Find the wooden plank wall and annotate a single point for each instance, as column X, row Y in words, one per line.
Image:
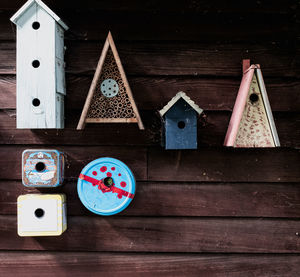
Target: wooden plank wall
column 209, row 212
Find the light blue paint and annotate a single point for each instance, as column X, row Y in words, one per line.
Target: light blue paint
column 106, row 203
column 39, row 178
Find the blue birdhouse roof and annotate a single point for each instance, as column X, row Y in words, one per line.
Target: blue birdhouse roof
column 180, row 95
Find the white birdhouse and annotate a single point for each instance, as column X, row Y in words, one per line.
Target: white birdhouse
column 40, row 67
column 41, row 215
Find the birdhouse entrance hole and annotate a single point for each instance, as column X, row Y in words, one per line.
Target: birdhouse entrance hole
column 181, row 124
column 35, row 63
column 36, row 25
column 36, row 102
column 40, row 166
column 39, row 213
column 108, row 181
column 253, row 97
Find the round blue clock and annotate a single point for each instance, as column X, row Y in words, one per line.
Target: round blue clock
column 106, row 186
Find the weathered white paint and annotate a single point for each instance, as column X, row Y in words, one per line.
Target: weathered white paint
column 267, row 107
column 51, row 220
column 46, row 82
column 178, row 96
column 28, row 4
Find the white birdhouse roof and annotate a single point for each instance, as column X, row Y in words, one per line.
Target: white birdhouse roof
column 28, row 4
column 187, row 99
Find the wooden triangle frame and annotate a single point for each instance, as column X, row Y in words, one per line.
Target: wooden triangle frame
column 109, row 43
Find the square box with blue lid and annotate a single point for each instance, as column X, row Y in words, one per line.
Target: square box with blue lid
column 42, row 168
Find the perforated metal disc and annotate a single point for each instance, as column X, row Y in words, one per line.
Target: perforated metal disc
column 109, row 88
column 95, row 193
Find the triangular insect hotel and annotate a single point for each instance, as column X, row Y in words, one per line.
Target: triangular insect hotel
column 252, row 123
column 109, row 99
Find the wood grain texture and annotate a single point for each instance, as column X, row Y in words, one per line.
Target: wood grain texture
column 172, row 25
column 141, row 234
column 211, row 131
column 224, row 164
column 182, row 58
column 76, row 158
column 169, row 6
column 209, row 93
column 94, row 134
column 182, row 199
column 73, row 264
column 204, row 204
column 204, row 164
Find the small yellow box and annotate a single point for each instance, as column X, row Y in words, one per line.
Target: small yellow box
column 41, row 215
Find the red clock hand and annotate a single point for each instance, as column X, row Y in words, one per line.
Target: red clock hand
column 121, row 192
column 113, row 189
column 95, row 182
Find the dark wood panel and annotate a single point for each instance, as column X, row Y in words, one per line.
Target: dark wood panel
column 154, row 92
column 137, row 234
column 225, row 164
column 109, row 264
column 156, row 6
column 183, row 26
column 204, row 164
column 93, row 134
column 195, row 201
column 76, row 159
column 182, row 199
column 166, row 58
column 181, row 22
column 211, row 130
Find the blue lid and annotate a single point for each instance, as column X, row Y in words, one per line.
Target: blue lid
column 106, row 186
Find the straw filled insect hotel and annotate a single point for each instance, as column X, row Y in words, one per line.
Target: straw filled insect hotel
column 110, row 98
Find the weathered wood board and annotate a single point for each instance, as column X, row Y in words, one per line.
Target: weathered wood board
column 174, row 199
column 213, row 94
column 224, row 212
column 76, row 158
column 114, row 264
column 166, row 58
column 148, row 234
column 224, row 165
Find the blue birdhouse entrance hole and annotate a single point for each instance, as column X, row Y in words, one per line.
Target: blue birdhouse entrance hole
column 180, row 123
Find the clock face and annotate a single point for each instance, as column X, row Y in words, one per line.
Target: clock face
column 109, row 88
column 106, row 186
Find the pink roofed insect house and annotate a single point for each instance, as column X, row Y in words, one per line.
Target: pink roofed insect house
column 252, row 123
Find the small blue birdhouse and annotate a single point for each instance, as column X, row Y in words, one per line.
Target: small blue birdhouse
column 180, row 122
column 42, row 168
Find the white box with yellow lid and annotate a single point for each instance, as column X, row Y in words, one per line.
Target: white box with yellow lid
column 41, row 215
